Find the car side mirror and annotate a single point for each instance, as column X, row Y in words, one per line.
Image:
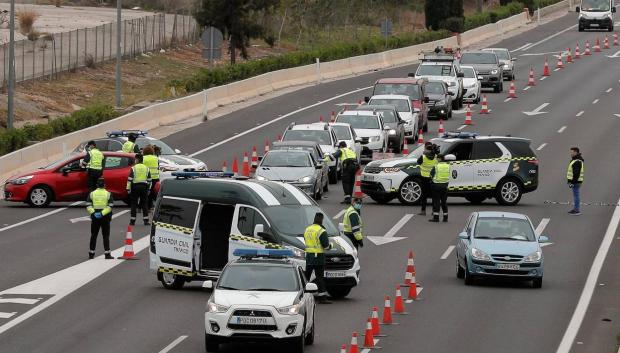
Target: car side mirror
column 513, row 59
column 480, row 78
column 65, row 170
column 341, row 227
column 500, row 65
column 613, row 9
column 460, row 74
column 577, row 9
column 449, row 157
column 207, row 284
column 450, row 93
column 358, row 140
column 411, row 74
column 366, row 99
column 259, row 228
column 543, row 239
column 311, row 288
column 426, row 100
column 463, row 235
column 177, row 151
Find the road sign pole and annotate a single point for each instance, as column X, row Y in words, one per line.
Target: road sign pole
column 118, row 54
column 11, row 93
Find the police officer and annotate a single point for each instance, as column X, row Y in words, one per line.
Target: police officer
column 151, row 161
column 99, row 206
column 130, row 146
column 348, row 160
column 352, row 221
column 440, row 175
column 426, row 162
column 138, row 186
column 94, row 162
column 317, row 242
column 574, row 177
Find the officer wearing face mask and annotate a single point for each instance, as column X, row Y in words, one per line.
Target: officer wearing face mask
column 352, row 221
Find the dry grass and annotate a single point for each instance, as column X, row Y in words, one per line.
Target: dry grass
column 58, row 3
column 27, row 19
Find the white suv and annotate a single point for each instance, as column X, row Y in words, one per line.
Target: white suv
column 443, row 68
column 368, row 126
column 405, row 110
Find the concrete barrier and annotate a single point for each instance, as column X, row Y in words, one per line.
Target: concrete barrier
column 562, row 5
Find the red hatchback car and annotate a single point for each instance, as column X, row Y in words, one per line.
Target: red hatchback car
column 65, row 180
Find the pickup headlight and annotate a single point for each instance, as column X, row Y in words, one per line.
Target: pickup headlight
column 21, row 181
column 305, row 179
column 391, row 170
column 374, row 138
column 216, row 308
column 494, row 72
column 290, row 310
column 258, row 177
column 392, row 132
column 480, row 255
column 533, row 257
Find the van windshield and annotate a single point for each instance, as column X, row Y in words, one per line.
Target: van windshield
column 292, row 220
column 595, row 5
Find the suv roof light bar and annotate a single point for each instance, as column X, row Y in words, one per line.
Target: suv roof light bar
column 125, row 133
column 195, row 175
column 460, row 135
column 266, row 253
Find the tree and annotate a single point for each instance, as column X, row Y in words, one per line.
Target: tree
column 444, row 14
column 237, row 20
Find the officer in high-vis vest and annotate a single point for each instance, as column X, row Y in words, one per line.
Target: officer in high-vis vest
column 99, row 206
column 426, row 162
column 348, row 160
column 440, row 175
column 130, row 146
column 352, row 222
column 94, row 162
column 138, row 186
column 574, row 177
column 151, row 161
column 317, row 242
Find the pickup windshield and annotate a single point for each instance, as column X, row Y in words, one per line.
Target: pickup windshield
column 406, row 89
column 595, row 5
column 435, row 70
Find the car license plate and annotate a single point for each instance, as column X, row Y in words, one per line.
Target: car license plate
column 335, row 274
column 507, row 266
column 368, row 177
column 593, row 24
column 249, row 320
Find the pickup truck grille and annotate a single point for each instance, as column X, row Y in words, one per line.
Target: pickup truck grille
column 372, row 170
column 339, row 262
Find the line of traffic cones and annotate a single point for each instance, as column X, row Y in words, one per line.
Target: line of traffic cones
column 409, row 270
column 587, row 51
column 577, row 52
column 254, row 158
column 560, row 63
column 606, row 42
column 376, row 327
column 357, row 189
column 441, row 131
column 512, row 91
column 546, row 71
column 235, row 167
column 420, row 137
column 531, row 81
column 468, row 120
column 405, row 150
column 597, row 46
column 569, row 56
column 246, row 165
column 616, row 39
column 266, row 146
column 484, row 107
column 399, row 305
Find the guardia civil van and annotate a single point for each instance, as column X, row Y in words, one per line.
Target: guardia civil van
column 201, row 218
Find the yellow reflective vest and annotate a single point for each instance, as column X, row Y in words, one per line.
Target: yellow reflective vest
column 347, row 153
column 128, row 147
column 312, row 238
column 427, row 165
column 152, row 162
column 140, row 175
column 99, row 200
column 96, row 159
column 355, row 230
column 442, row 173
column 569, row 172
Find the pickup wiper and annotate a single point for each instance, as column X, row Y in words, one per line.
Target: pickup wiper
column 264, row 289
column 483, row 237
column 229, row 288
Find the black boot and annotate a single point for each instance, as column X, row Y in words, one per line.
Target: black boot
column 422, row 213
column 434, row 219
column 445, row 217
column 132, row 222
column 91, row 255
column 108, row 256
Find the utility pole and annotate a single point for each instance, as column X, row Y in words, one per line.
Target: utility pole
column 11, row 95
column 118, row 54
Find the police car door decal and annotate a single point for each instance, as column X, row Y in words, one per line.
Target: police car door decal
column 175, row 225
column 491, row 164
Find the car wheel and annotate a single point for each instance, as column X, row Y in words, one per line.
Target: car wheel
column 476, row 199
column 299, row 343
column 449, row 115
column 460, row 272
column 338, row 292
column 469, row 279
column 309, row 340
column 508, row 192
column 514, row 77
column 40, row 196
column 333, row 175
column 211, row 344
column 461, row 102
column 381, row 199
column 170, row 280
column 611, row 28
column 537, row 282
column 496, row 89
column 580, row 29
column 410, row 192
column 425, row 127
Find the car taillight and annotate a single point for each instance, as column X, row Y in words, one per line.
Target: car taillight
column 533, row 161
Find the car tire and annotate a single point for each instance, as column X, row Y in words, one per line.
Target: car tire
column 338, row 292
column 469, row 279
column 476, row 199
column 455, row 104
column 211, row 345
column 580, row 29
column 410, row 192
column 611, row 28
column 299, row 343
column 537, row 282
column 40, row 196
column 449, row 115
column 333, row 176
column 460, row 272
column 382, row 199
column 171, row 281
column 309, row 340
column 508, row 192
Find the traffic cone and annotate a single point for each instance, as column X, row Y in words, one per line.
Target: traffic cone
column 369, row 339
column 376, row 328
column 606, row 42
column 468, row 115
column 246, row 165
column 343, row 348
column 333, row 118
column 597, row 46
column 224, row 168
column 560, row 64
column 387, row 312
column 357, row 189
column 409, row 270
column 399, row 306
column 413, row 288
column 279, row 138
column 485, row 105
column 512, row 91
column 420, row 137
column 615, row 39
column 577, row 53
column 353, row 348
column 321, row 120
column 569, row 56
column 546, row 71
column 254, row 158
column 266, row 146
column 531, row 81
column 128, row 254
column 405, row 148
column 587, row 51
column 441, row 131
column 360, row 102
column 235, row 167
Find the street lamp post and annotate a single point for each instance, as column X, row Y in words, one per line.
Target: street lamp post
column 11, row 95
column 118, row 54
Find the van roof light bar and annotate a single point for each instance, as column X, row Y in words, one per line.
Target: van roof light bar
column 460, row 135
column 125, row 133
column 265, row 253
column 195, row 175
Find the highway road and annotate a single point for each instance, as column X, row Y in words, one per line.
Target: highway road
column 53, row 300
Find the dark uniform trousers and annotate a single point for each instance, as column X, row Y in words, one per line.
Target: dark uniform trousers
column 102, row 223
column 140, row 197
column 425, row 184
column 440, row 197
column 319, row 273
column 152, row 193
column 349, row 167
column 351, row 237
column 92, row 175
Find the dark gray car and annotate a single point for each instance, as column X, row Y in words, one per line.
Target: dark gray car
column 315, row 152
column 391, row 119
column 439, row 100
column 488, row 66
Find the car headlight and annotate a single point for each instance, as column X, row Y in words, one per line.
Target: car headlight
column 441, row 102
column 305, row 179
column 494, row 72
column 391, row 169
column 374, row 138
column 258, row 177
column 216, row 308
column 506, row 66
column 202, row 166
column 533, row 257
column 392, row 132
column 290, row 310
column 452, row 84
column 298, row 253
column 21, row 181
column 480, row 255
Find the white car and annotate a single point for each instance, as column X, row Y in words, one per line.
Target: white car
column 368, row 125
column 261, row 296
column 442, row 67
column 344, row 132
column 405, row 110
column 471, row 84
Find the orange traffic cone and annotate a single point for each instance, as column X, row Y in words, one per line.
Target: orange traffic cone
column 360, row 102
column 531, row 81
column 333, row 118
column 353, row 348
column 569, row 56
column 387, row 312
column 321, row 119
column 441, row 131
column 413, row 288
column 376, row 328
column 560, row 63
column 399, row 306
column 409, row 270
column 485, row 105
column 235, row 167
column 128, row 254
column 468, row 115
column 577, row 52
column 246, row 165
column 405, row 148
column 512, row 92
column 606, row 42
column 254, row 158
column 279, row 138
column 369, row 339
column 420, row 137
column 597, row 46
column 587, row 51
column 224, row 168
column 266, row 146
column 343, row 348
column 357, row 189
column 546, row 71
column 615, row 39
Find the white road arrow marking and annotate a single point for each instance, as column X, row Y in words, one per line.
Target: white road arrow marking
column 87, row 218
column 537, row 111
column 616, row 55
column 447, row 252
column 618, row 115
column 4, row 315
column 389, row 236
column 18, row 301
column 552, row 53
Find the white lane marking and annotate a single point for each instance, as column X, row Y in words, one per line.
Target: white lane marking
column 38, row 217
column 87, row 218
column 609, row 89
column 543, row 78
column 588, row 289
column 339, row 214
column 580, row 113
column 541, row 147
column 522, row 47
column 542, row 225
column 595, row 101
column 526, row 88
column 447, row 252
column 64, row 282
column 173, row 344
column 276, row 120
column 18, row 301
column 557, row 69
column 461, row 127
column 618, row 115
column 550, row 37
column 537, row 111
column 389, row 236
column 4, row 315
column 507, row 99
column 562, row 129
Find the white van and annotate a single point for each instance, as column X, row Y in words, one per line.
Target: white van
column 596, row 14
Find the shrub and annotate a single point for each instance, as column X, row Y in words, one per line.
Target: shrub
column 26, row 20
column 482, row 18
column 452, row 24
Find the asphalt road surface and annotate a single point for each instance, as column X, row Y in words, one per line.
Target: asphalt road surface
column 53, row 300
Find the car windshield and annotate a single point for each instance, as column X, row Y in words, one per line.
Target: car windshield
column 360, row 121
column 434, row 70
column 165, row 149
column 260, row 277
column 292, row 220
column 468, row 72
column 435, row 88
column 501, row 54
column 389, row 116
column 479, row 58
column 342, row 132
column 443, row 146
column 405, row 89
column 59, row 163
column 310, row 149
column 321, row 137
column 595, row 5
column 401, row 105
column 286, row 159
column 504, row 228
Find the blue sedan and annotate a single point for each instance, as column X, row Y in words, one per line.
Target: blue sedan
column 500, row 244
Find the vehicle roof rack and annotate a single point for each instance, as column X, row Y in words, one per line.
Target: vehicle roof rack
column 125, row 133
column 205, row 175
column 460, row 135
column 434, row 56
column 264, row 253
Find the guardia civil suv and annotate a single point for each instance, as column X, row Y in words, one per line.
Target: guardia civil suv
column 486, row 166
